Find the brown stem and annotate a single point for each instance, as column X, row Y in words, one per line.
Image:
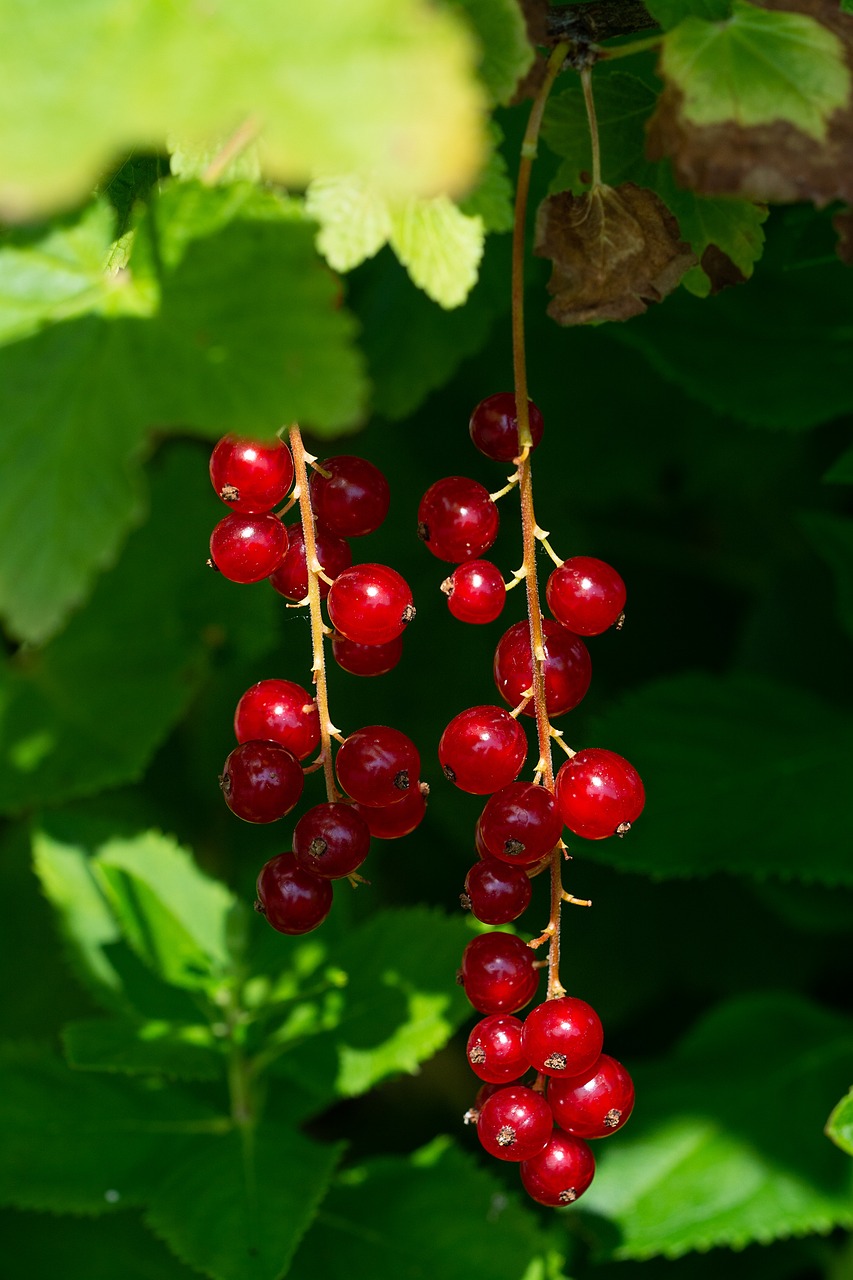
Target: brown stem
column 592, row 121
column 598, row 20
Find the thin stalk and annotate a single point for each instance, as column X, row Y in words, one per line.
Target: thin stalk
column 589, row 101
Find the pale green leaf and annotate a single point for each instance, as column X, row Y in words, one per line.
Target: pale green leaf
column 189, row 161
column 506, row 53
column 439, row 246
column 354, row 219
column 839, row 1126
column 180, row 1052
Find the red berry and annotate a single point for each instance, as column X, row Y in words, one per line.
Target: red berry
column 291, row 577
column 560, row 1173
column 599, row 794
column 496, row 893
column 479, row 844
column 366, row 659
column 248, row 548
column 494, row 1049
column 498, row 973
column 292, row 899
column 494, row 426
column 331, row 840
column 515, row 1124
column 251, row 476
column 482, row 749
column 377, row 765
column 261, row 781
column 457, row 520
column 596, row 1103
column 563, row 1037
column 585, row 595
column 371, row 604
column 279, row 711
column 568, row 669
column 476, row 591
column 353, row 499
column 392, row 821
column 521, row 823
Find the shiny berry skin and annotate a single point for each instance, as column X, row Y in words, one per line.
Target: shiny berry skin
column 521, row 823
column 498, row 973
column 390, row 822
column 292, row 899
column 353, row 499
column 377, row 765
column 599, row 794
column 371, row 604
column 585, row 595
column 515, row 1123
column 331, row 840
column 291, row 577
column 366, row 659
column 248, row 548
column 496, row 893
column 568, row 669
column 596, row 1103
column 457, row 520
column 482, row 749
column 494, row 1049
column 476, row 591
column 279, row 711
column 261, row 781
column 479, row 844
column 563, row 1037
column 251, row 476
column 561, row 1173
column 494, row 426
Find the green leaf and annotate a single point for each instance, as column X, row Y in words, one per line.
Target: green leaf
column 732, row 226
column 669, row 13
column 401, row 103
column 439, row 246
column 832, row 539
column 757, row 67
column 718, row 756
column 507, row 54
column 236, row 1210
column 354, row 218
column 493, row 195
column 180, row 1052
column 425, row 1215
column 87, row 1248
column 841, row 471
column 839, row 1126
column 706, row 1160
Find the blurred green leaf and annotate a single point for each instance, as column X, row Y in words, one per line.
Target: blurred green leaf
column 670, row 12
column 841, row 471
column 506, row 53
column 180, row 1052
column 832, row 538
column 839, row 1126
column 87, row 1248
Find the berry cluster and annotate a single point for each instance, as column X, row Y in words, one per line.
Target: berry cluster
column 277, row 723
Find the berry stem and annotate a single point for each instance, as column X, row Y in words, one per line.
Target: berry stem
column 592, row 118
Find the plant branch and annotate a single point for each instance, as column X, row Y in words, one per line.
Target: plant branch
column 598, row 20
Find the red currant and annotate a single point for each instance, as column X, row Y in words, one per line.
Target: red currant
column 251, row 476
column 392, row 821
column 585, row 595
column 494, row 1049
column 599, row 794
column 371, row 604
column 366, row 659
column 494, row 426
column 331, row 840
column 352, row 499
column 567, row 667
column 476, row 591
column 279, row 711
column 482, row 749
column 292, row 899
column 563, row 1037
column 521, row 823
column 377, row 765
column 594, row 1104
column 560, row 1173
column 498, row 973
column 291, row 577
column 515, row 1124
column 248, row 548
column 479, row 843
column 457, row 520
column 261, row 781
column 496, row 893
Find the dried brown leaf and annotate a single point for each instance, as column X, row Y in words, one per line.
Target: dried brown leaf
column 614, row 250
column 720, row 270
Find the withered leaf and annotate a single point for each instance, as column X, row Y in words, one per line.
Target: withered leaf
column 614, row 250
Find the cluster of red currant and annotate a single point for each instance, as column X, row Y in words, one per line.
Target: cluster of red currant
column 277, row 723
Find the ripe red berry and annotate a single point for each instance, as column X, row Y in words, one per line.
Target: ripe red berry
column 353, row 499
column 457, row 520
column 279, row 711
column 292, row 899
column 261, row 781
column 498, row 973
column 596, row 1103
column 496, row 893
column 567, row 666
column 515, row 1124
column 494, row 1049
column 366, row 659
column 331, row 840
column 248, row 548
column 599, row 794
column 561, row 1173
column 291, row 577
column 563, row 1037
column 251, row 476
column 371, row 604
column 521, row 823
column 392, row 821
column 494, row 426
column 482, row 749
column 479, row 844
column 585, row 595
column 377, row 765
column 476, row 591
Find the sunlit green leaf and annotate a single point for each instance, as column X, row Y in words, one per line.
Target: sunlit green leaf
column 155, row 1048
column 839, row 1126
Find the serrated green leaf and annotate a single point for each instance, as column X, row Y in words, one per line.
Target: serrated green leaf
column 670, row 12
column 832, row 539
column 733, row 226
column 190, row 161
column 402, row 103
column 757, row 67
column 706, row 1160
column 354, row 218
column 186, row 1052
column 439, row 246
column 237, row 1209
column 839, row 1126
column 87, row 1248
column 492, row 198
column 506, row 53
